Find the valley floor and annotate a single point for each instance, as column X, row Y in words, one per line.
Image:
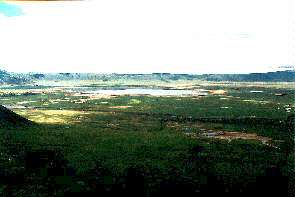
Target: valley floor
column 224, row 137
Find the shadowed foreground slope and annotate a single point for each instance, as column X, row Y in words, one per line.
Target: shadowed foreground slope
column 10, row 119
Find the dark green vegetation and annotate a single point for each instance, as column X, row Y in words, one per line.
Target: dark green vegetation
column 140, row 144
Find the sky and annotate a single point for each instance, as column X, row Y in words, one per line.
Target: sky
column 146, row 36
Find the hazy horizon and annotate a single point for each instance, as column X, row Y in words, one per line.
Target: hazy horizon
column 37, row 72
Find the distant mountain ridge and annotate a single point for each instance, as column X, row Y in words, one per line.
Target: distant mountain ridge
column 19, row 78
column 278, row 76
column 12, row 78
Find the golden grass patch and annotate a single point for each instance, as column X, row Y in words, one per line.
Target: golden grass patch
column 52, row 116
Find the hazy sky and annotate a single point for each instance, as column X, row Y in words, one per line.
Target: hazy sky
column 136, row 36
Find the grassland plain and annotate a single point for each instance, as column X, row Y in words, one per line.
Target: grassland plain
column 111, row 144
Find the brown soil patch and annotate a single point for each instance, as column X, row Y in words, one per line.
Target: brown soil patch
column 227, row 135
column 239, row 135
column 217, row 92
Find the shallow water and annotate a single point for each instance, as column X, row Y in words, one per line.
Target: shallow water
column 114, row 90
column 152, row 92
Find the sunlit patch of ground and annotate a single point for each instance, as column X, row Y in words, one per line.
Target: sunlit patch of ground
column 256, row 101
column 134, row 101
column 53, row 116
column 189, row 127
column 230, row 135
column 58, row 100
column 80, row 101
column 225, row 107
column 120, row 107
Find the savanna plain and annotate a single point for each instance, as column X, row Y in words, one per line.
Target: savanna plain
column 146, row 138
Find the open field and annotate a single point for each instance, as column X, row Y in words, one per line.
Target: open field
column 228, row 136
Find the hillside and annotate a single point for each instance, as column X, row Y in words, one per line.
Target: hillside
column 10, row 119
